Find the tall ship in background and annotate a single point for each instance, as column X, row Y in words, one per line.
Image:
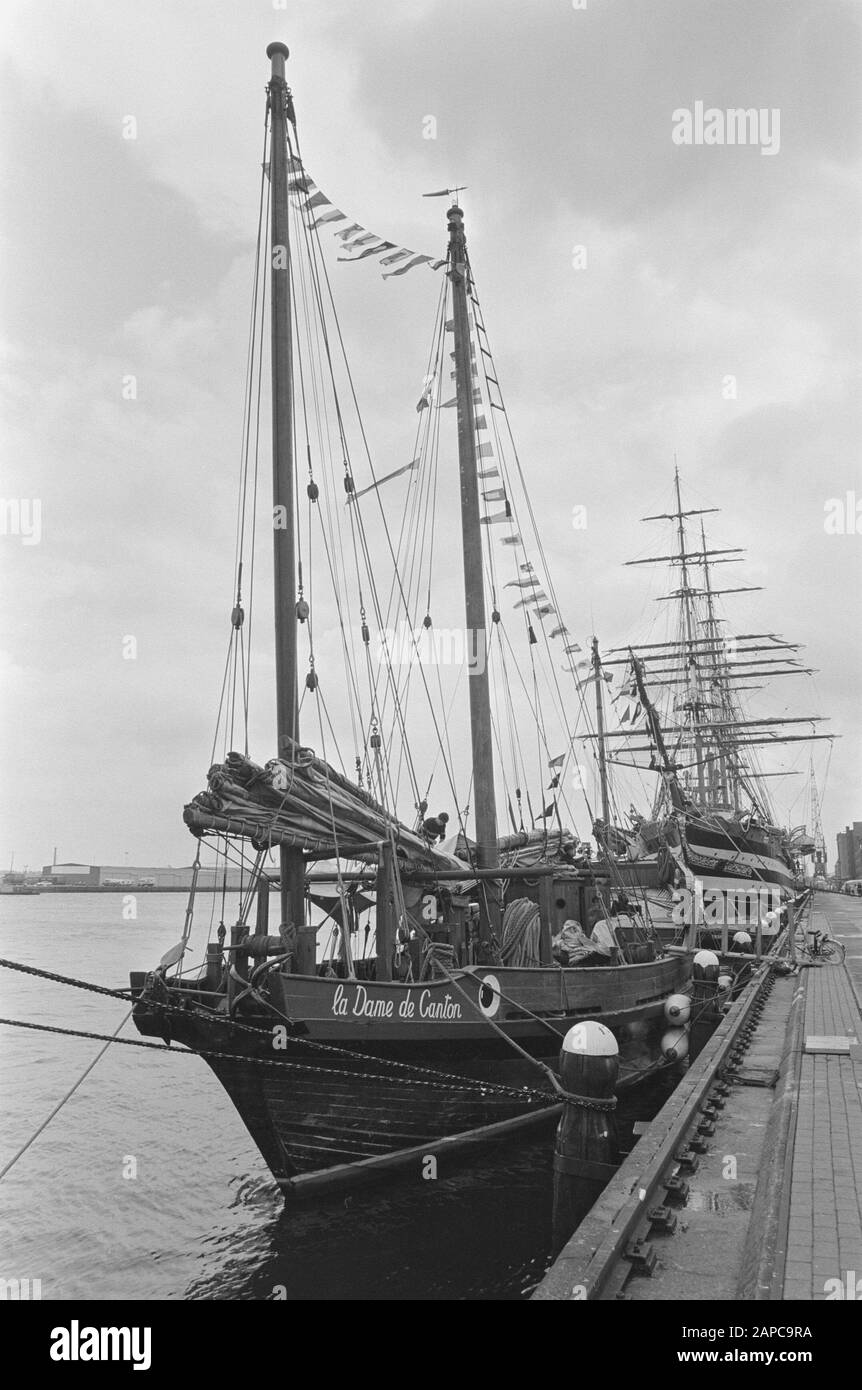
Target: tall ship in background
column 683, row 713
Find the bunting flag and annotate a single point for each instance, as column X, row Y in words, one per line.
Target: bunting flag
column 497, row 494
column 573, row 647
column 559, row 631
column 397, row 473
column 485, row 451
column 545, row 609
column 558, row 761
column 447, row 405
column 527, row 566
column 489, row 473
column 424, row 400
column 522, row 584
column 512, row 540
column 449, row 326
column 303, row 188
column 531, row 598
column 492, row 520
column 480, row 422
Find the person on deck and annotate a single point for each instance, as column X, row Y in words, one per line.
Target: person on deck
column 434, row 828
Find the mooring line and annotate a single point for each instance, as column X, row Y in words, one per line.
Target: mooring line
column 59, row 1106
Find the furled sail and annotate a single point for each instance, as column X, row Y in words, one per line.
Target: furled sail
column 303, row 803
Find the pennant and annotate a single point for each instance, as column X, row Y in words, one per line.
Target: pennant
column 369, row 251
column 607, row 676
column 558, row 631
column 558, row 761
column 318, row 200
column 447, row 405
column 545, row 609
column 363, row 241
column 403, row 269
column 334, row 216
column 489, row 473
column 512, row 540
column 532, row 598
column 492, row 520
column 397, row 256
column 441, row 193
column 527, row 565
column 497, row 494
column 397, row 473
column 348, row 231
column 525, row 584
column 575, row 647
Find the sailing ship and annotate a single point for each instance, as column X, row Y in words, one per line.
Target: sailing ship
column 446, row 1017
column 712, row 830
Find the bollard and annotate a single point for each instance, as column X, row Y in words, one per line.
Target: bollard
column 586, row 1149
column 742, row 943
column 704, row 982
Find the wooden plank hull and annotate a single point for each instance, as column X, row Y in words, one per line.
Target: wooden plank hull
column 363, row 1069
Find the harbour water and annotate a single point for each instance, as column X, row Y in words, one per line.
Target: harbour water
column 146, row 1184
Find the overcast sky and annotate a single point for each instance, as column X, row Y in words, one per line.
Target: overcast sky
column 134, row 256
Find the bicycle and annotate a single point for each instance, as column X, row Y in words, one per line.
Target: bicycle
column 815, row 947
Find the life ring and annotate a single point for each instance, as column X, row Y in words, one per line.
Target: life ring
column 489, row 995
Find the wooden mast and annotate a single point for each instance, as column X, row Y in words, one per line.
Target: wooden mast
column 292, row 865
column 600, row 730
column 487, row 854
column 694, row 704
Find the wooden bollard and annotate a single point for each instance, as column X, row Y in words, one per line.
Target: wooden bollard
column 586, row 1150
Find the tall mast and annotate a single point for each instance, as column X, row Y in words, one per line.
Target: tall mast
column 691, row 687
column 487, row 855
column 600, row 729
column 292, row 867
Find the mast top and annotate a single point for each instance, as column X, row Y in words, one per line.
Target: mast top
column 278, row 52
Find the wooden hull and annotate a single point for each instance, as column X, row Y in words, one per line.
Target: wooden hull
column 343, row 1071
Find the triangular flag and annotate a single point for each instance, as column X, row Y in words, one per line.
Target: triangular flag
column 558, row 761
column 403, row 269
column 334, row 216
column 558, row 631
column 319, row 200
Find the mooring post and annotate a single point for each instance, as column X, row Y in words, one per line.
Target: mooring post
column 704, row 985
column 586, row 1150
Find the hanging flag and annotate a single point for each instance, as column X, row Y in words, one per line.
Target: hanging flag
column 402, row 269
column 317, row 200
column 369, row 250
column 424, row 400
column 512, row 540
column 449, row 326
column 522, row 583
column 485, row 451
column 489, row 473
column 447, row 405
column 559, row 631
column 558, row 761
column 607, row 676
column 545, row 609
column 397, row 473
column 396, row 256
column 492, row 520
column 334, row 216
column 527, row 565
column 531, row 598
column 480, row 422
column 497, row 494
column 573, row 647
column 349, row 231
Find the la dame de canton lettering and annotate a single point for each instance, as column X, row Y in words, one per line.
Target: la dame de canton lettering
column 417, row 1004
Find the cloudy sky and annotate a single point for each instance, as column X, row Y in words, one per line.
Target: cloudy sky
column 134, row 257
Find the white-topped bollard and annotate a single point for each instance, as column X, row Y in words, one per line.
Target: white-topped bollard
column 742, row 943
column 586, row 1151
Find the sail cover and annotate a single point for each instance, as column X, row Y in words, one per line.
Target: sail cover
column 303, row 802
